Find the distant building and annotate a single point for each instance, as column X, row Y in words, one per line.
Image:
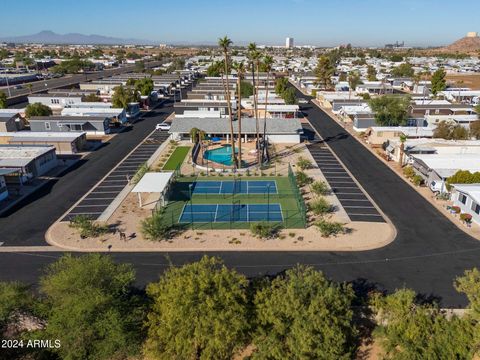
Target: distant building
column 472, row 34
column 289, row 42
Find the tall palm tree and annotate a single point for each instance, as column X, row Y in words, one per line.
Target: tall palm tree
column 403, row 139
column 240, row 68
column 225, row 43
column 253, row 56
column 268, row 62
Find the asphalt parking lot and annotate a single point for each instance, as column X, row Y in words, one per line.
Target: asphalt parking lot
column 357, row 206
column 103, row 193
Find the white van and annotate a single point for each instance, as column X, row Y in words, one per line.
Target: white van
column 438, row 186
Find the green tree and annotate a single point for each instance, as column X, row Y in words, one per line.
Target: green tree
column 37, row 109
column 91, row 308
column 353, row 81
column 92, row 98
column 289, row 96
column 463, row 177
column 281, row 84
column 324, row 72
column 302, row 315
column 246, row 89
column 215, row 69
column 438, row 81
column 409, row 330
column 199, row 311
column 122, row 96
column 371, row 73
column 450, row 131
column 390, row 110
column 403, row 70
column 144, row 86
column 3, row 100
column 15, row 298
column 475, row 129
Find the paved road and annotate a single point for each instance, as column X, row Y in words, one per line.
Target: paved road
column 428, row 253
column 68, row 80
column 26, row 224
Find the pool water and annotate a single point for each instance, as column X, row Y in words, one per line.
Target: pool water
column 221, row 155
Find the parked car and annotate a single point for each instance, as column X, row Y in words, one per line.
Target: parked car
column 162, row 126
column 438, row 186
column 302, row 101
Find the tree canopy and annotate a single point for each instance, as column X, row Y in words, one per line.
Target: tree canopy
column 3, row 100
column 438, row 81
column 144, row 86
column 411, row 330
column 289, row 96
column 198, row 312
column 450, row 131
column 37, row 109
column 324, row 72
column 73, row 66
column 390, row 110
column 475, row 129
column 91, row 308
column 302, row 315
column 122, row 96
column 403, row 70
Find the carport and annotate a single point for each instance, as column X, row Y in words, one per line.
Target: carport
column 154, row 183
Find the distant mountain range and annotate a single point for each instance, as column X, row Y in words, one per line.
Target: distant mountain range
column 49, row 37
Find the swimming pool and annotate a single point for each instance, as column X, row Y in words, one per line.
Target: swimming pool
column 221, row 155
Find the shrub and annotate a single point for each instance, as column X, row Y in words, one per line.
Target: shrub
column 408, row 172
column 417, row 180
column 153, row 228
column 303, row 179
column 303, row 163
column 320, row 206
column 87, row 227
column 328, row 228
column 142, row 170
column 320, row 188
column 263, row 230
column 466, row 217
column 456, row 209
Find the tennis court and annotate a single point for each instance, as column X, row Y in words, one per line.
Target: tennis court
column 235, row 187
column 209, row 213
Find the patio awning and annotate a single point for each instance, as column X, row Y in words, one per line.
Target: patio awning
column 153, row 182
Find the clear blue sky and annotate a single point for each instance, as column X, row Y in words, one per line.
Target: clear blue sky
column 317, row 22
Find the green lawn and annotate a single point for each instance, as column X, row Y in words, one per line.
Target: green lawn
column 177, row 157
column 285, row 197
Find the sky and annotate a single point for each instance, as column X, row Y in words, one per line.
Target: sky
column 312, row 22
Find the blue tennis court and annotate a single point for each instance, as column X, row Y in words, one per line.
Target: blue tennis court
column 235, row 187
column 204, row 213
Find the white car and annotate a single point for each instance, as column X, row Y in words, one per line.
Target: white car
column 162, row 126
column 302, row 101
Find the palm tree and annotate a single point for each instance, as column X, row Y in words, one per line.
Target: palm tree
column 268, row 62
column 225, row 43
column 240, row 68
column 253, row 56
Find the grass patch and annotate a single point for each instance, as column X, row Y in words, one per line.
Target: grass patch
column 176, row 158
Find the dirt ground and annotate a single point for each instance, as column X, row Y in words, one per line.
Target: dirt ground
column 471, row 80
